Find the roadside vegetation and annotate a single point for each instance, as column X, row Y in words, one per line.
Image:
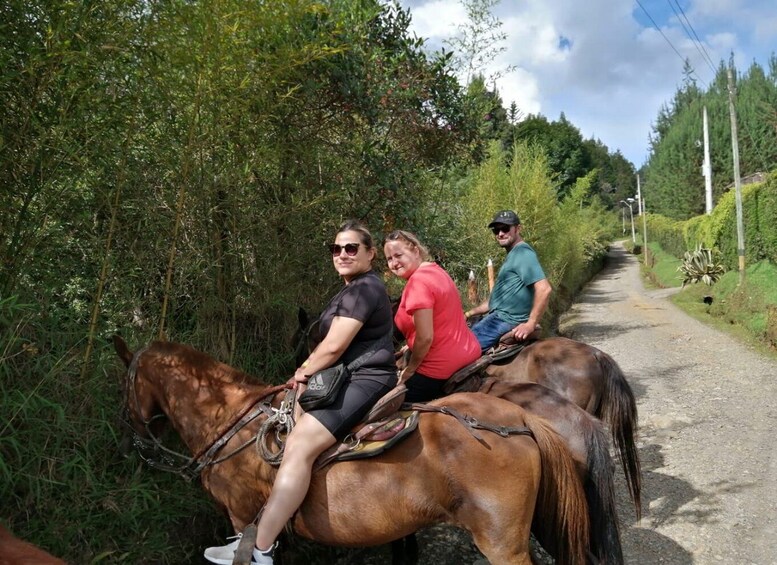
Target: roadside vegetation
column 174, row 170
column 746, row 308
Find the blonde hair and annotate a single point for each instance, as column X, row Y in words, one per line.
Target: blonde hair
column 410, row 239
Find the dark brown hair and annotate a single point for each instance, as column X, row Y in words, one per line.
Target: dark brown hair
column 365, row 237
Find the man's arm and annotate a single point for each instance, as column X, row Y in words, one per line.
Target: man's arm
column 542, row 290
column 481, row 308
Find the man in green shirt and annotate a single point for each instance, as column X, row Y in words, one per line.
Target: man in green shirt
column 521, row 292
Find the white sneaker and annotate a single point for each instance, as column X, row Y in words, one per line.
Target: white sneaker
column 225, row 554
column 263, row 557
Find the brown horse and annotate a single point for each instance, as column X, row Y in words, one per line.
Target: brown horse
column 494, row 487
column 580, row 373
column 591, row 379
column 14, row 551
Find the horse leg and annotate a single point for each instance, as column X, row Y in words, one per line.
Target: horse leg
column 404, row 551
column 500, row 522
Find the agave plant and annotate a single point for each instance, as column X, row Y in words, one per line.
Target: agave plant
column 700, row 265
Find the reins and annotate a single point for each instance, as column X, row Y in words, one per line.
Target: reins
column 190, row 467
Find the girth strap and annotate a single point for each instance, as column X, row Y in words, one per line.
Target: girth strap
column 471, row 424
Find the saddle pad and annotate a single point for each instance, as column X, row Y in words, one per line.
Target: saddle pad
column 346, row 450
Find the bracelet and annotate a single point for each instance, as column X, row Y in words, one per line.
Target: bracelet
column 305, row 363
column 467, row 315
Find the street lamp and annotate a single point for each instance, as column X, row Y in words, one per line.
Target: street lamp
column 628, row 202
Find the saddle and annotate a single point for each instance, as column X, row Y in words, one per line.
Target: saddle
column 382, row 427
column 469, row 379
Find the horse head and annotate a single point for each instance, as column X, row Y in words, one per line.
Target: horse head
column 306, row 337
column 141, row 410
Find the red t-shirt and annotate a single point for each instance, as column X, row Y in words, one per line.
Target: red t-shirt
column 454, row 345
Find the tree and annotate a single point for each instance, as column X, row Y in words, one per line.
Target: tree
column 479, row 41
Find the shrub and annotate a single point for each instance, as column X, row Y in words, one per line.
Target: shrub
column 700, row 265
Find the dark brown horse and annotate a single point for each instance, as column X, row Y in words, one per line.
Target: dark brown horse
column 587, row 442
column 494, row 487
column 591, row 379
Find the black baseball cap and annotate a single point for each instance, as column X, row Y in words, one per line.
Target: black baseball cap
column 505, row 217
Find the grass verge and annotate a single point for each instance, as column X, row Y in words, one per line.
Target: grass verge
column 746, row 311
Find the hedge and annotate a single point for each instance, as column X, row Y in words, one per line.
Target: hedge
column 718, row 230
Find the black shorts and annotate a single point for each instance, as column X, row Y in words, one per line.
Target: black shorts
column 421, row 388
column 355, row 399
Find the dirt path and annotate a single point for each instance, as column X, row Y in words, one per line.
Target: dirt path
column 707, row 410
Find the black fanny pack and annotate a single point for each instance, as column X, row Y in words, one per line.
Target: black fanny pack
column 324, row 385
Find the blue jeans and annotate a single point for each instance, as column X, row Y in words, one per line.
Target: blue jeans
column 489, row 330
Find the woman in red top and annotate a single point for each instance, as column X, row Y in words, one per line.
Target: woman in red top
column 431, row 318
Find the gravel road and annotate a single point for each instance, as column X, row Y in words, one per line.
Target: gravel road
column 706, row 404
column 707, row 407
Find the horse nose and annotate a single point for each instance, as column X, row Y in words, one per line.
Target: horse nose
column 125, row 445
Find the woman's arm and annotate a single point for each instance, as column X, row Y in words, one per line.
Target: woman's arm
column 424, row 334
column 340, row 335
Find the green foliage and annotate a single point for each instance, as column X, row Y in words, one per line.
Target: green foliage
column 667, row 232
column 663, row 268
column 718, row 230
column 673, row 182
column 699, row 265
column 478, row 40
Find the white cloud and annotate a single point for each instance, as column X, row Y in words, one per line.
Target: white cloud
column 438, row 19
column 602, row 62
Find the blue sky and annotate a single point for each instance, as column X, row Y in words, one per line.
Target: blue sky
column 603, row 62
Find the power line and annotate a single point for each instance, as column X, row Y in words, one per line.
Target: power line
column 655, row 25
column 698, row 42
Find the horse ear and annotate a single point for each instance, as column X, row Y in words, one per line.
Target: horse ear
column 302, row 317
column 121, row 348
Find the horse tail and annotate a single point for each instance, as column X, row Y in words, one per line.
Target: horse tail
column 618, row 410
column 600, row 493
column 560, row 522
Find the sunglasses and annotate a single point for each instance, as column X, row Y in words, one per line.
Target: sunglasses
column 496, row 230
column 351, row 249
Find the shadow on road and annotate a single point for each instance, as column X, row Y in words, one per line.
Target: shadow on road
column 662, row 497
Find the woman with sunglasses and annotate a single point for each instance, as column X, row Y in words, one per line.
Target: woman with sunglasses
column 430, row 317
column 521, row 292
column 356, row 324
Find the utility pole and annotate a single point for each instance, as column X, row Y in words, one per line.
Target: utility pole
column 644, row 233
column 737, row 180
column 640, row 209
column 706, row 168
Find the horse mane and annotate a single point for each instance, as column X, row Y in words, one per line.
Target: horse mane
column 203, row 363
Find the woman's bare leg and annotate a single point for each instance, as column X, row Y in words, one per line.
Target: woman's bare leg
column 308, row 440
